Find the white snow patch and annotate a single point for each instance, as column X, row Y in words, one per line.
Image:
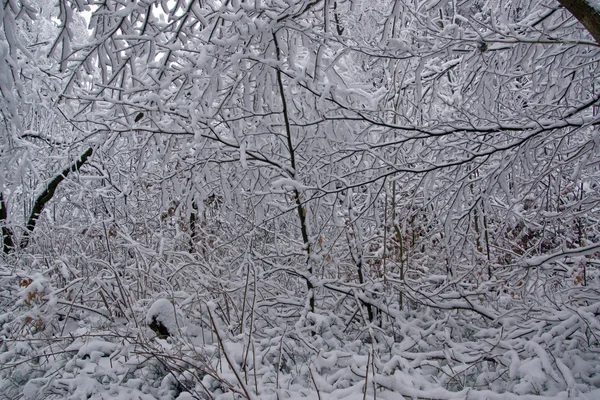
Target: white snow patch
column 595, row 4
column 163, row 311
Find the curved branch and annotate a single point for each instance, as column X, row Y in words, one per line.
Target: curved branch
column 588, row 15
column 48, row 193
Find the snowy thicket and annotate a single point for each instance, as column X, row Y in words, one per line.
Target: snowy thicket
column 288, row 199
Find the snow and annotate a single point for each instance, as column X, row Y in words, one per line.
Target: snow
column 595, row 4
column 163, row 311
column 288, row 184
column 446, row 159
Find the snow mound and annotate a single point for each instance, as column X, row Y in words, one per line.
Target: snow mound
column 161, row 317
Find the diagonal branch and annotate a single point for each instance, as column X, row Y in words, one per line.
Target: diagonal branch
column 48, row 193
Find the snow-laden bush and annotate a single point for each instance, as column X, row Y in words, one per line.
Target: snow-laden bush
column 56, row 348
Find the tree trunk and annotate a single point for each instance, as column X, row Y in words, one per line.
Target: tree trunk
column 586, row 14
column 47, row 195
column 297, row 195
column 7, row 233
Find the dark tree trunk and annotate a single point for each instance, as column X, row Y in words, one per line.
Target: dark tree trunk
column 193, row 216
column 586, row 14
column 7, row 233
column 47, row 195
